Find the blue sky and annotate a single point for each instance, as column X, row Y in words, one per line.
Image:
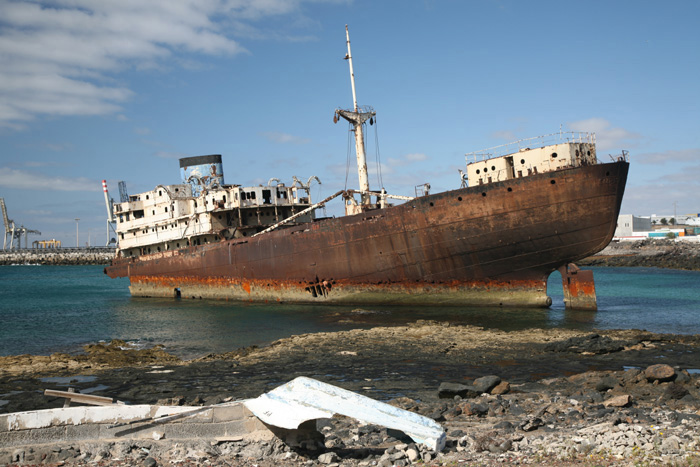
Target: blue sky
column 120, row 89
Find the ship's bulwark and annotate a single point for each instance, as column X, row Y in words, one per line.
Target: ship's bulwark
column 494, row 244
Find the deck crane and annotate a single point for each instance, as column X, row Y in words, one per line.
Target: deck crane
column 14, row 232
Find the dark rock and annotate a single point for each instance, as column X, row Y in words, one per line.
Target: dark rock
column 682, row 377
column 475, row 408
column 505, row 426
column 452, row 413
column 486, row 383
column 631, row 376
column 593, row 343
column 689, row 399
column 149, row 462
column 660, row 372
column 450, row 390
column 515, row 409
column 602, row 412
column 675, row 391
column 608, row 382
column 367, row 429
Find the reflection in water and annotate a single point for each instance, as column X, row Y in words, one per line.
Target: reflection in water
column 78, row 305
column 192, row 328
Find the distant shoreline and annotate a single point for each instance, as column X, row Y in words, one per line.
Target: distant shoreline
column 659, row 253
column 58, row 257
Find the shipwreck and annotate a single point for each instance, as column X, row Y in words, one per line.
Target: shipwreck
column 520, row 212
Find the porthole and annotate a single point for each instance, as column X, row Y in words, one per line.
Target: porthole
column 554, row 155
column 522, row 161
column 510, row 189
column 478, row 171
column 553, row 182
column 459, row 198
column 493, row 167
column 486, row 169
column 607, row 174
column 483, row 193
column 431, row 204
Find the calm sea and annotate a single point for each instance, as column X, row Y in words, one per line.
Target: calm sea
column 45, row 309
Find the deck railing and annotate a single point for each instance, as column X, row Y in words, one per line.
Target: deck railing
column 529, row 143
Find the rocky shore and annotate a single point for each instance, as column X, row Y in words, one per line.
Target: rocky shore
column 660, row 253
column 57, row 257
column 538, row 397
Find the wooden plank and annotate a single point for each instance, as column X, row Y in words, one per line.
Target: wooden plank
column 80, row 398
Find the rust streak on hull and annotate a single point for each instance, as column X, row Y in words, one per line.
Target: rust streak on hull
column 494, row 244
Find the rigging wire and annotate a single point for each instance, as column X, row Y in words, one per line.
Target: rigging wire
column 347, row 162
column 377, row 156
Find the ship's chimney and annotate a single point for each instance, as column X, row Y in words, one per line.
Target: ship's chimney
column 202, row 172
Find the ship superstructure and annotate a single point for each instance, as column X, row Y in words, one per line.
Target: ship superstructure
column 205, row 210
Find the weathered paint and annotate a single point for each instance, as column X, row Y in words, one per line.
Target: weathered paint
column 579, row 288
column 494, row 244
column 304, row 399
column 483, row 293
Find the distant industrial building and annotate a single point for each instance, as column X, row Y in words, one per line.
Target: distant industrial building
column 630, row 227
column 628, row 224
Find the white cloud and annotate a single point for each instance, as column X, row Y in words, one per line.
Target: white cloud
column 142, row 131
column 35, row 164
column 284, row 138
column 23, row 180
column 607, row 137
column 406, row 159
column 58, row 57
column 415, row 157
column 504, row 135
column 682, row 155
column 38, row 212
column 660, row 194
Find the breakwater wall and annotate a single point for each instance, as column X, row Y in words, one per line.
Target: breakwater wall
column 659, row 253
column 57, row 256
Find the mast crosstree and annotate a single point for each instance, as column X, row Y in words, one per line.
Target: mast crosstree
column 357, row 117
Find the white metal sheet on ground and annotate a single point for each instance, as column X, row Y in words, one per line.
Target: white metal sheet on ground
column 83, row 415
column 303, row 399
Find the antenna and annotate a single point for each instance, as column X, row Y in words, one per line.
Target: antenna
column 123, row 195
column 111, row 220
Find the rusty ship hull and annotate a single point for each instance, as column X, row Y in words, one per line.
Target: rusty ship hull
column 488, row 245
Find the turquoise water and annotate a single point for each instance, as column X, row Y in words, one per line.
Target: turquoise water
column 44, row 309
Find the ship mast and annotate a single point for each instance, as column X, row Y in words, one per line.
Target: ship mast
column 357, row 117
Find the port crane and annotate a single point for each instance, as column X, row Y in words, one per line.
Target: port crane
column 12, row 231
